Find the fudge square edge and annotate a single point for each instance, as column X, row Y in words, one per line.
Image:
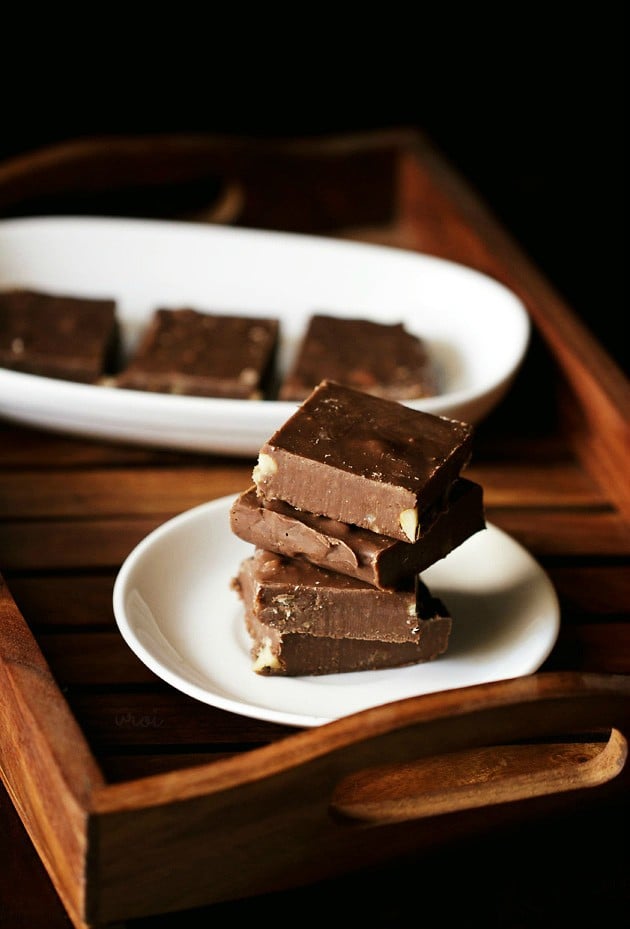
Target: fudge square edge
column 363, row 460
column 293, row 612
column 376, row 559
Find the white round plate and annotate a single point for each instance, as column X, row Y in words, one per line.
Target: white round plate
column 476, row 330
column 176, row 610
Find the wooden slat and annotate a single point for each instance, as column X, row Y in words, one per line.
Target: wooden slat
column 593, row 591
column 566, row 533
column 71, row 544
column 556, row 485
column 93, row 658
column 80, row 601
column 599, row 647
column 31, row 448
column 137, row 491
column 164, row 717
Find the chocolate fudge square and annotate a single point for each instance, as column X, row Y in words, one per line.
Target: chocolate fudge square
column 67, row 337
column 305, row 620
column 363, row 460
column 383, row 359
column 375, row 559
column 191, row 352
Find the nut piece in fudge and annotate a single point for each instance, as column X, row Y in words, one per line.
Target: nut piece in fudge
column 376, row 559
column 66, row 337
column 304, row 620
column 187, row 351
column 364, row 460
column 383, row 359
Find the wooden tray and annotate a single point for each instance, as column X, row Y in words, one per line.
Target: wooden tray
column 138, row 800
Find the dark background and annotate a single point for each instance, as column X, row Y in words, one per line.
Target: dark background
column 533, row 117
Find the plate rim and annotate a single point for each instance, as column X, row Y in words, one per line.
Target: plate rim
column 268, row 714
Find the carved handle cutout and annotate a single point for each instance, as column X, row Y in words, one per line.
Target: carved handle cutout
column 475, row 778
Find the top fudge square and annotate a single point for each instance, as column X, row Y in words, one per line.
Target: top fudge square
column 363, row 460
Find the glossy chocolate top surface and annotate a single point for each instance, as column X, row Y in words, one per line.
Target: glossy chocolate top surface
column 381, row 440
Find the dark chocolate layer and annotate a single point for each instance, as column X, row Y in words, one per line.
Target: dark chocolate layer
column 363, row 460
column 303, row 620
column 298, row 654
column 65, row 337
column 376, row 559
column 185, row 351
column 380, row 358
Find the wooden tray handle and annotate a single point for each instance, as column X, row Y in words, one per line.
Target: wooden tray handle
column 85, row 174
column 289, row 184
column 362, row 789
column 499, row 771
column 477, row 778
column 485, row 744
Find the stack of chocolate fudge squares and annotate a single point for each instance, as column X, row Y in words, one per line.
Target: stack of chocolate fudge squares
column 352, row 499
